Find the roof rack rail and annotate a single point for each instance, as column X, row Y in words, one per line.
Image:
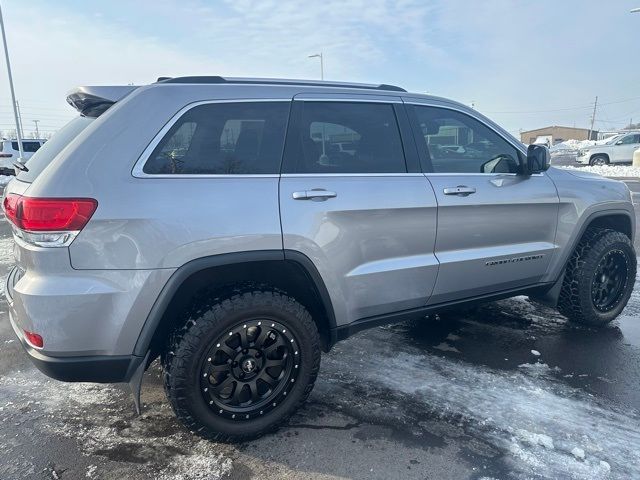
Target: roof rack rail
column 276, row 81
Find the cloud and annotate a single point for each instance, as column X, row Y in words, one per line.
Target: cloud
column 531, row 57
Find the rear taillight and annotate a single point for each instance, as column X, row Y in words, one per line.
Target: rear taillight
column 49, row 222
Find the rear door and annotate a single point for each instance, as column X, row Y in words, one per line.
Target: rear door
column 354, row 202
column 624, row 148
column 496, row 228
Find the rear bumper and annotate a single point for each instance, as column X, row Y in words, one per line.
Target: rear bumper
column 89, row 321
column 98, row 369
column 93, row 368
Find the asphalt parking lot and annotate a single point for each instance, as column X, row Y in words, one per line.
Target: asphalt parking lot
column 509, row 390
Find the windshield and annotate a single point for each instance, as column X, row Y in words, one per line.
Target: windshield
column 45, row 154
column 614, row 139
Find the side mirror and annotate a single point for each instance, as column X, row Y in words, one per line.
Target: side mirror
column 538, row 159
column 619, row 142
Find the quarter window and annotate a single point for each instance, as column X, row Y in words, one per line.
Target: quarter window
column 223, row 138
column 343, row 137
column 453, row 142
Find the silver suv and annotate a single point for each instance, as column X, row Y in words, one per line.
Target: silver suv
column 236, row 227
column 617, row 150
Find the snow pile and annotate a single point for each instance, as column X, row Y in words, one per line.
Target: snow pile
column 571, row 146
column 625, row 171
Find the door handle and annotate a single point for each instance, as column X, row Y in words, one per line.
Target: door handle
column 460, row 190
column 315, row 194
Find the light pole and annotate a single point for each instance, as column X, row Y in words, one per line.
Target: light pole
column 319, row 55
column 37, row 131
column 13, row 94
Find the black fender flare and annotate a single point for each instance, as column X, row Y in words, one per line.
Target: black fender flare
column 167, row 293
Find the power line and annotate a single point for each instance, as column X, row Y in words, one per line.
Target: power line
column 566, row 109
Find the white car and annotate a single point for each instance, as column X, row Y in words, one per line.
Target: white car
column 617, row 150
column 10, row 153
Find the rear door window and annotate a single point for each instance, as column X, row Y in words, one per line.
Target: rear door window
column 344, row 137
column 223, row 139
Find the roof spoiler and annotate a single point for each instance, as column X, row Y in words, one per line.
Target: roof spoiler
column 93, row 101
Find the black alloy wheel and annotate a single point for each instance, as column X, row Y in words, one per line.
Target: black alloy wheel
column 609, row 280
column 247, row 371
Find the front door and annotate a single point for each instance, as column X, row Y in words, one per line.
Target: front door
column 496, row 228
column 349, row 203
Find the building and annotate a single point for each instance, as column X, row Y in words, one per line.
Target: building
column 556, row 134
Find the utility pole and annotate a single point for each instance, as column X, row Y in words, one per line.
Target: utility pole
column 13, row 94
column 593, row 117
column 37, row 131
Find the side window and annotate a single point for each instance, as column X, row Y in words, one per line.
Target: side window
column 457, row 143
column 223, row 138
column 343, row 137
column 630, row 139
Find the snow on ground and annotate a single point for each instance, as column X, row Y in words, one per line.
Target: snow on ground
column 4, row 179
column 92, row 415
column 608, row 170
column 546, row 428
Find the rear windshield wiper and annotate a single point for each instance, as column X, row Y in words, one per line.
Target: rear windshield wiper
column 20, row 166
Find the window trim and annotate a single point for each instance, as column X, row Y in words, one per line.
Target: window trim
column 138, row 167
column 425, row 163
column 397, row 108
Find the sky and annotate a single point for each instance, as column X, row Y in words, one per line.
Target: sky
column 525, row 64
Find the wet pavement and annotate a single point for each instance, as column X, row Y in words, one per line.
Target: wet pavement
column 507, row 390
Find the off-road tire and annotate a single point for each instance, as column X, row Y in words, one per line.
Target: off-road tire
column 599, row 160
column 576, row 300
column 188, row 348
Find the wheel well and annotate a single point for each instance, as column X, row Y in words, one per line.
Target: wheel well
column 618, row 222
column 290, row 277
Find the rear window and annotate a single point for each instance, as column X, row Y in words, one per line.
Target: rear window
column 223, row 138
column 45, row 154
